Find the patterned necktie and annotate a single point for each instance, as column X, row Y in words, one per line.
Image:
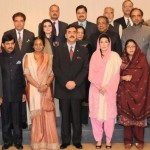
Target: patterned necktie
column 128, row 23
column 19, row 40
column 71, row 53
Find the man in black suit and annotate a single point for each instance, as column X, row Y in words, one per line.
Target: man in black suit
column 125, row 21
column 24, row 44
column 81, row 14
column 60, row 26
column 13, row 93
column 70, row 66
column 113, row 26
column 102, row 25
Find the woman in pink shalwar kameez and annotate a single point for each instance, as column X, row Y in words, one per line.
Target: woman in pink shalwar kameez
column 104, row 77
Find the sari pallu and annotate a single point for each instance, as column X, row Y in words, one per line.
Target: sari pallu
column 44, row 132
column 133, row 97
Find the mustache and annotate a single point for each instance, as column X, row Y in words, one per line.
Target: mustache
column 81, row 16
column 72, row 36
column 54, row 14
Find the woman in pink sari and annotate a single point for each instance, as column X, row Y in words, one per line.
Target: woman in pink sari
column 38, row 72
column 104, row 77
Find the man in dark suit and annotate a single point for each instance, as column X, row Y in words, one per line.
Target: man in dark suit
column 70, row 66
column 125, row 21
column 60, row 26
column 81, row 14
column 102, row 25
column 113, row 26
column 13, row 93
column 24, row 44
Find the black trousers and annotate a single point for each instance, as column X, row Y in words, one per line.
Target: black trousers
column 11, row 116
column 71, row 113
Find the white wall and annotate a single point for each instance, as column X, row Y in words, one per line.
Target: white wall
column 37, row 10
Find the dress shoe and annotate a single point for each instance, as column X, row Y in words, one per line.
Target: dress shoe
column 78, row 145
column 6, row 146
column 63, row 145
column 24, row 125
column 19, row 146
column 127, row 146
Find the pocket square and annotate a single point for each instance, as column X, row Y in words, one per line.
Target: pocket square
column 79, row 57
column 18, row 62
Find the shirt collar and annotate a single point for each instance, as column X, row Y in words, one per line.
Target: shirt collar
column 21, row 32
column 73, row 46
column 84, row 23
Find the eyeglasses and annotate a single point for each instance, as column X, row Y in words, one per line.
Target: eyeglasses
column 130, row 47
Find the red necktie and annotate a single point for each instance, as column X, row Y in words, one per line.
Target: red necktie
column 71, row 52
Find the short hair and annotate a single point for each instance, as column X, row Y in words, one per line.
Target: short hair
column 70, row 26
column 81, row 7
column 138, row 10
column 36, row 38
column 108, row 7
column 107, row 21
column 127, row 1
column 53, row 5
column 84, row 31
column 19, row 14
column 7, row 38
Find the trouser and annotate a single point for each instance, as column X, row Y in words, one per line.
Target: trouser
column 99, row 126
column 71, row 107
column 11, row 116
column 135, row 132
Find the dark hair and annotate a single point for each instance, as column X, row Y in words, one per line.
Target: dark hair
column 84, row 32
column 138, row 10
column 129, row 40
column 107, row 21
column 7, row 37
column 70, row 26
column 19, row 14
column 103, row 36
column 42, row 33
column 39, row 38
column 81, row 7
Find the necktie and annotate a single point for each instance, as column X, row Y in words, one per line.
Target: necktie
column 128, row 23
column 54, row 23
column 71, row 52
column 19, row 40
column 81, row 24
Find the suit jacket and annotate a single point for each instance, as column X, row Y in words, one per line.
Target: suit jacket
column 27, row 44
column 114, row 28
column 66, row 70
column 115, row 41
column 1, row 91
column 62, row 29
column 90, row 28
column 122, row 22
column 12, row 74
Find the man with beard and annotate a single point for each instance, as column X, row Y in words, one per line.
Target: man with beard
column 13, row 93
column 70, row 66
column 126, row 21
column 60, row 26
column 102, row 25
column 81, row 14
column 138, row 32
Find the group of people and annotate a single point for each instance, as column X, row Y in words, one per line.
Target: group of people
column 87, row 67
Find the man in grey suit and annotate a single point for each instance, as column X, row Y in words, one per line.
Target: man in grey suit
column 81, row 13
column 60, row 26
column 24, row 44
column 138, row 32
